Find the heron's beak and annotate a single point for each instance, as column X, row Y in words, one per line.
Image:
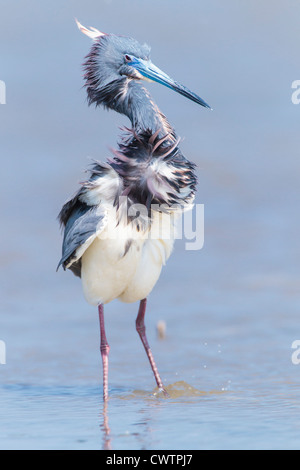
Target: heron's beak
column 153, row 73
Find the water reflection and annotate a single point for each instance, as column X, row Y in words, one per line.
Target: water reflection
column 149, row 408
column 106, row 438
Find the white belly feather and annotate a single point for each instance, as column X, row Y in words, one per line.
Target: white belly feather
column 111, row 270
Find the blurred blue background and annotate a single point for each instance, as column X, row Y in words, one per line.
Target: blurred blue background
column 232, row 308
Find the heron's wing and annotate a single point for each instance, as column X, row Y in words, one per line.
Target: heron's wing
column 83, row 225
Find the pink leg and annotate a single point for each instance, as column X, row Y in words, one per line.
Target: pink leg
column 141, row 329
column 104, row 348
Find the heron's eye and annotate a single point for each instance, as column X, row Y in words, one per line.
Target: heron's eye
column 128, row 58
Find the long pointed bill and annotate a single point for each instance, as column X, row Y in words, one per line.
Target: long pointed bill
column 153, row 73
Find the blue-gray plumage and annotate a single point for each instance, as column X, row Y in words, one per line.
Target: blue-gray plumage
column 82, row 224
column 118, row 228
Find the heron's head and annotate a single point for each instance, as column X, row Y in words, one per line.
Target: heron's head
column 113, row 58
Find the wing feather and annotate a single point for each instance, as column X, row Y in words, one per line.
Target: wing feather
column 82, row 226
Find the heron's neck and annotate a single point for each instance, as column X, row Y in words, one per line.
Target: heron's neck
column 133, row 100
column 143, row 112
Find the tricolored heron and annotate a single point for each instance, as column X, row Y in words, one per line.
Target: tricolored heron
column 117, row 226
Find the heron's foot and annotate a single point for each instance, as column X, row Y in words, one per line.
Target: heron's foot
column 164, row 391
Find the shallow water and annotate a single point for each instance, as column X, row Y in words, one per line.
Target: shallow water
column 231, row 310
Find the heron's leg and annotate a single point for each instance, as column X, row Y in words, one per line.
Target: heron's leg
column 104, row 348
column 141, row 329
